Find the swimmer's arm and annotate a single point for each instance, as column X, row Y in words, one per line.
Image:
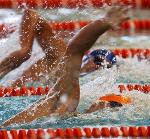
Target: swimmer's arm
column 27, row 32
column 13, row 61
column 98, row 105
column 87, row 36
column 43, row 107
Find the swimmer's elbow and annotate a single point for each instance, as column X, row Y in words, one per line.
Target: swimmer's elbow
column 26, row 54
column 79, row 47
column 29, row 11
column 75, row 49
column 20, row 56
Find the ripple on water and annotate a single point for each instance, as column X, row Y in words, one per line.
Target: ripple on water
column 93, row 86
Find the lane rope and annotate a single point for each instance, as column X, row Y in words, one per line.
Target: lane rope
column 72, row 3
column 137, row 87
column 32, row 91
column 95, row 132
column 132, row 26
column 23, row 91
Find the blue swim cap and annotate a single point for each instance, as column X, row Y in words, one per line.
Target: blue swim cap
column 108, row 54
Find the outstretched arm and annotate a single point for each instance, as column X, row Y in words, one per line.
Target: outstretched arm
column 87, row 36
column 27, row 33
column 37, row 110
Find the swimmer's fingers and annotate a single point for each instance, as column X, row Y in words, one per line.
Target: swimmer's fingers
column 5, row 67
column 4, row 63
column 116, row 15
column 2, row 74
column 11, row 62
column 125, row 10
column 125, row 13
column 117, row 26
column 125, row 18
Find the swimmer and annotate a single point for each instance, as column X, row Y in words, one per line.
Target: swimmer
column 111, row 101
column 93, row 61
column 65, row 95
column 97, row 59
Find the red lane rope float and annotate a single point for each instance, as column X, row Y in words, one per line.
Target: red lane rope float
column 137, row 87
column 133, row 25
column 86, row 132
column 23, row 91
column 132, row 52
column 6, row 29
column 72, row 3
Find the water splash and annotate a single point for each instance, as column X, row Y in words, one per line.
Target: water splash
column 94, row 85
column 133, row 70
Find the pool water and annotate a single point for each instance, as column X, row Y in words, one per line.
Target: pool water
column 93, row 85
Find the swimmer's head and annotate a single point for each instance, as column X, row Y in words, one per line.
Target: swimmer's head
column 101, row 57
column 116, row 98
column 97, row 59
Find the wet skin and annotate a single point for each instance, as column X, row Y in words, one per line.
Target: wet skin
column 67, row 64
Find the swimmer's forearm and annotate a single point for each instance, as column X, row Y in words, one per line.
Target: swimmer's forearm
column 20, row 118
column 18, row 57
column 13, row 61
column 43, row 107
column 87, row 36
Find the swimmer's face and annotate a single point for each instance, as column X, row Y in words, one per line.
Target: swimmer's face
column 94, row 63
column 101, row 61
column 114, row 104
column 98, row 60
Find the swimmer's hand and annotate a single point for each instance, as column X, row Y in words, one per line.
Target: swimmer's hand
column 13, row 61
column 116, row 16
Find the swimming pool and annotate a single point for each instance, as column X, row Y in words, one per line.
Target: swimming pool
column 98, row 83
